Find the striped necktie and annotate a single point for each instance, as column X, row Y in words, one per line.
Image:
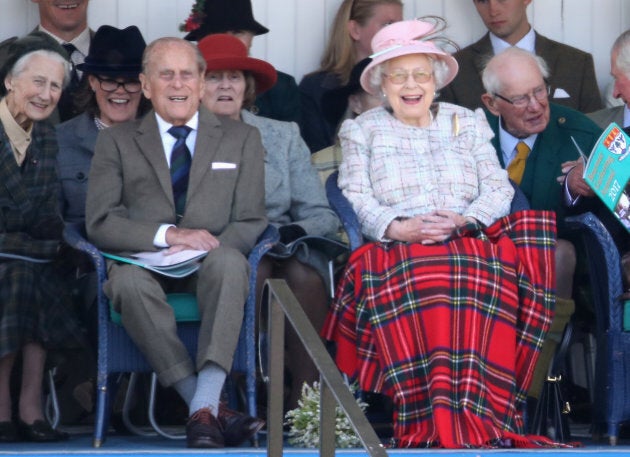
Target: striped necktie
column 180, row 167
column 516, row 168
column 66, row 101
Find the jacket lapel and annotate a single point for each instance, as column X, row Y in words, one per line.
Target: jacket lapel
column 483, row 50
column 209, row 135
column 150, row 145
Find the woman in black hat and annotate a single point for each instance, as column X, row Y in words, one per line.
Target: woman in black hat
column 34, row 316
column 112, row 94
column 235, row 17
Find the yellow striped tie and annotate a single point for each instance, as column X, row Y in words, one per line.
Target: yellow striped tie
column 517, row 165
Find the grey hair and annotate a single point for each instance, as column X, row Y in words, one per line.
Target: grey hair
column 439, row 67
column 149, row 52
column 622, row 47
column 491, row 81
column 20, row 64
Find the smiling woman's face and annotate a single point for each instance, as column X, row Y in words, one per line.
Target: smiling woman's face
column 34, row 92
column 224, row 92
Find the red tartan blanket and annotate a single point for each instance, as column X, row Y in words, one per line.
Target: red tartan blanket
column 451, row 332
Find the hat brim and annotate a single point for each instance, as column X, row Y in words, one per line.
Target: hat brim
column 127, row 71
column 420, row 47
column 210, row 29
column 263, row 72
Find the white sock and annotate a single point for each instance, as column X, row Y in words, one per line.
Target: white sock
column 186, row 388
column 210, row 382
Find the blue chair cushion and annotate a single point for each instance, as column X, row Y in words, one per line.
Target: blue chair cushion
column 184, row 306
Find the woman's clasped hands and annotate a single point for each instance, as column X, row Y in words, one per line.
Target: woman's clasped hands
column 429, row 228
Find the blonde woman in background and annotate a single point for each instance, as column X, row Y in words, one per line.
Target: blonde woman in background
column 354, row 26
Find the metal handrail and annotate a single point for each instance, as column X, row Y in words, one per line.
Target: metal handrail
column 282, row 303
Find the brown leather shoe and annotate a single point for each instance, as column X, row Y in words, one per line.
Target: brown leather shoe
column 203, row 430
column 238, row 427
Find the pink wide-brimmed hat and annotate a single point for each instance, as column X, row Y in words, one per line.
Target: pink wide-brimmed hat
column 403, row 38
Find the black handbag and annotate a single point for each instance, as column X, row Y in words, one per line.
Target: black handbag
column 551, row 418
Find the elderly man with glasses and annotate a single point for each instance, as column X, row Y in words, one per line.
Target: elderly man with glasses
column 536, row 141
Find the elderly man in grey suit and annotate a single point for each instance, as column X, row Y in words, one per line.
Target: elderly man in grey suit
column 137, row 201
column 620, row 71
column 571, row 71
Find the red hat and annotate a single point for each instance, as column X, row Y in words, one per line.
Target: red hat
column 226, row 52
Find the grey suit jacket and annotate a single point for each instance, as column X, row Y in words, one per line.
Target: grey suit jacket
column 571, row 70
column 130, row 194
column 76, row 139
column 605, row 116
column 293, row 190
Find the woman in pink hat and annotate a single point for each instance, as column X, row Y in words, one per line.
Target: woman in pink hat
column 445, row 310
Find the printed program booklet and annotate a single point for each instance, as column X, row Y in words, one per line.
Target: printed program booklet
column 177, row 265
column 607, row 171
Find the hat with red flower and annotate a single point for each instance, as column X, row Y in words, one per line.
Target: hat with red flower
column 220, row 16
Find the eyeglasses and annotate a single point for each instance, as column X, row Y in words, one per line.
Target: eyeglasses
column 522, row 101
column 400, row 76
column 111, row 85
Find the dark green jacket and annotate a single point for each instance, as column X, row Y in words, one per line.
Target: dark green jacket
column 553, row 146
column 281, row 102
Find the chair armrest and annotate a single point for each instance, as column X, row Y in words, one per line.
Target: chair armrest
column 74, row 236
column 342, row 207
column 519, row 200
column 604, row 265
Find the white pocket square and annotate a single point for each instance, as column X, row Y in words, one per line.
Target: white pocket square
column 223, row 166
column 560, row 93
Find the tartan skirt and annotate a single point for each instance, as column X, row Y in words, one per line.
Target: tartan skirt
column 35, row 307
column 451, row 332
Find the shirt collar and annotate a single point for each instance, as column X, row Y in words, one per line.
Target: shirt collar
column 19, row 138
column 163, row 126
column 508, row 141
column 81, row 41
column 528, row 42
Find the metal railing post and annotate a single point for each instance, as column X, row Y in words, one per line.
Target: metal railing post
column 282, row 303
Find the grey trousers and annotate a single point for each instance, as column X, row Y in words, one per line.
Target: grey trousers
column 221, row 287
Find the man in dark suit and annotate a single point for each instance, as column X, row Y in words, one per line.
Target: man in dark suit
column 282, row 101
column 571, row 71
column 534, row 142
column 134, row 204
column 620, row 71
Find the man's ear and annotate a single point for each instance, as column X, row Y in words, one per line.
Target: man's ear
column 491, row 103
column 145, row 86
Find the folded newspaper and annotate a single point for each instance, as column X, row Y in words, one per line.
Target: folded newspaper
column 177, row 265
column 607, row 171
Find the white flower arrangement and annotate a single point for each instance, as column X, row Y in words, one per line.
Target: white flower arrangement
column 303, row 421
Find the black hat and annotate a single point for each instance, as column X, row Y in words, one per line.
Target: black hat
column 12, row 49
column 115, row 52
column 335, row 101
column 221, row 16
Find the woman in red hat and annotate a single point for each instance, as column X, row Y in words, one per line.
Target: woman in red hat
column 295, row 199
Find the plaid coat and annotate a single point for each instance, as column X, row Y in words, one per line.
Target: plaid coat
column 33, row 296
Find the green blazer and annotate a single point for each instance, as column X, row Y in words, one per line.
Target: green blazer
column 553, row 146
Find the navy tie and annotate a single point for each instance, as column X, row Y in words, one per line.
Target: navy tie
column 180, row 167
